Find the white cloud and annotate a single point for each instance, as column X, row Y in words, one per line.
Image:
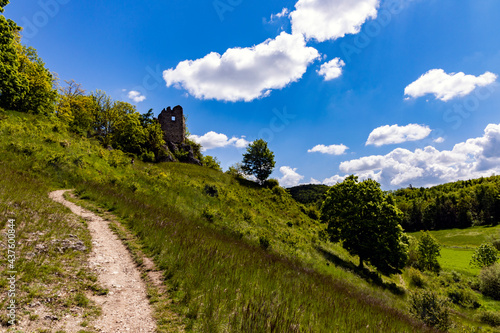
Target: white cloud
column 385, row 135
column 212, row 140
column 281, row 14
column 290, row 177
column 244, row 74
column 473, row 158
column 447, row 86
column 332, row 69
column 331, row 19
column 136, row 96
column 439, row 140
column 331, row 150
column 334, row 180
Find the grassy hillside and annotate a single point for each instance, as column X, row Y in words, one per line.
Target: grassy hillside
column 237, row 257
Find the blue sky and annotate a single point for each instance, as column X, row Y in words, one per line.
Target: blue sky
column 401, row 91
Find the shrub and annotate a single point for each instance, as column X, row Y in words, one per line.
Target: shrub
column 209, row 214
column 485, row 255
column 271, row 183
column 211, row 190
column 416, row 278
column 463, row 297
column 489, row 281
column 264, row 242
column 490, row 317
column 432, row 310
column 496, row 244
column 428, row 250
column 211, row 162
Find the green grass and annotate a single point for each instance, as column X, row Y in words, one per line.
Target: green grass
column 457, row 259
column 470, row 237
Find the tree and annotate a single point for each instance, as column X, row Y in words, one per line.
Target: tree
column 13, row 85
column 41, row 96
column 258, row 160
column 367, row 223
column 428, row 250
column 485, row 255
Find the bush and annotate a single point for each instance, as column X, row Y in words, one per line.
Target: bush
column 432, row 310
column 463, row 297
column 485, row 255
column 264, row 242
column 489, row 317
column 416, row 278
column 271, row 183
column 489, row 281
column 211, row 162
column 211, row 190
column 428, row 250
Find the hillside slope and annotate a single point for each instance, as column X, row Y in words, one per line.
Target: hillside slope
column 236, row 256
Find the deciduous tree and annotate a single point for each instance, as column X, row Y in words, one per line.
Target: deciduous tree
column 367, row 223
column 258, row 160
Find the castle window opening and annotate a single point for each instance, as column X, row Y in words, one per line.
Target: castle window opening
column 173, row 118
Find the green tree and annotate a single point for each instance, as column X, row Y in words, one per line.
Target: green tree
column 41, row 96
column 13, row 85
column 211, row 162
column 128, row 134
column 76, row 109
column 258, row 160
column 485, row 255
column 428, row 250
column 367, row 223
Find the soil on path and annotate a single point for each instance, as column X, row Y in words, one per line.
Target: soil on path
column 125, row 308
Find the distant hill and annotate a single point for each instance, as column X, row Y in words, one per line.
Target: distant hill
column 460, row 204
column 308, row 194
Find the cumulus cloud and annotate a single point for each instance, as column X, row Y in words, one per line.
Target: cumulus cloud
column 290, row 176
column 473, row 158
column 136, row 96
column 213, row 140
column 447, row 86
column 331, row 19
column 330, row 150
column 332, row 69
column 334, row 180
column 244, row 74
column 385, row 135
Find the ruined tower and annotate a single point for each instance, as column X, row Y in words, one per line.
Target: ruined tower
column 172, row 124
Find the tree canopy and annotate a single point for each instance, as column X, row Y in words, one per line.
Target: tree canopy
column 258, row 160
column 367, row 223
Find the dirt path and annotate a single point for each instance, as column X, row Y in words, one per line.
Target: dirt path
column 125, row 308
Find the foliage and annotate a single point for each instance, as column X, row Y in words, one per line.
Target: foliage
column 485, row 255
column 367, row 223
column 490, row 317
column 235, row 170
column 13, row 85
column 490, row 281
column 428, row 251
column 41, row 96
column 460, row 204
column 416, row 278
column 430, row 308
column 211, row 162
column 463, row 297
column 258, row 160
column 309, row 194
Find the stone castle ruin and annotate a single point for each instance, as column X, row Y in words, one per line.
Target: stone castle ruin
column 172, row 124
